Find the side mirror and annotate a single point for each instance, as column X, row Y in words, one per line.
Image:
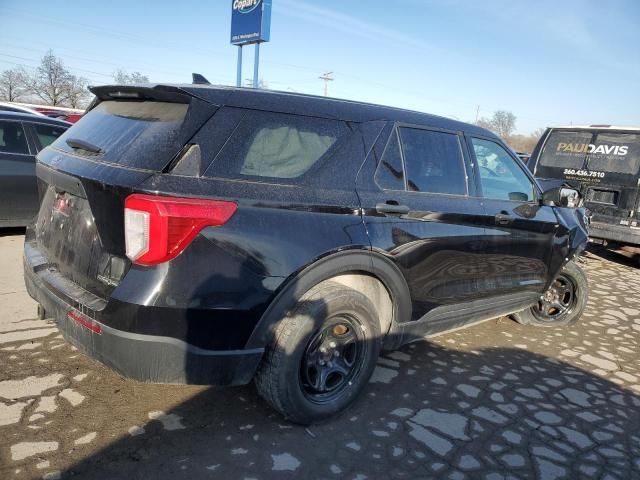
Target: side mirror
column 562, row 197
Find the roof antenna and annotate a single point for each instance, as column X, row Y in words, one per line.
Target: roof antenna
column 199, row 79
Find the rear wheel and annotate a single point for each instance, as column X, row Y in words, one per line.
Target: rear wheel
column 562, row 304
column 321, row 355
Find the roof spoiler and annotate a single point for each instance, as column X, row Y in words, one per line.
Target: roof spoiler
column 158, row 93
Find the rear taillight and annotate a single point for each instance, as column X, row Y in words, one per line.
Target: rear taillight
column 157, row 229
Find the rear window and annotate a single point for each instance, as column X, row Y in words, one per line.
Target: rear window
column 276, row 145
column 141, row 134
column 593, row 151
column 615, row 152
column 565, row 149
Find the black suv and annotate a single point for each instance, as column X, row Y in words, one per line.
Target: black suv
column 198, row 234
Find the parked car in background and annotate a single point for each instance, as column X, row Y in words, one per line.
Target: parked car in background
column 198, row 234
column 13, row 107
column 22, row 136
column 71, row 115
column 603, row 163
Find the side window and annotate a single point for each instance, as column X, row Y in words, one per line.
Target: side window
column 47, row 134
column 276, row 145
column 390, row 174
column 500, row 176
column 13, row 138
column 433, row 161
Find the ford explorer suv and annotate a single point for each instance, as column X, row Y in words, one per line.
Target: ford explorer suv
column 603, row 163
column 210, row 235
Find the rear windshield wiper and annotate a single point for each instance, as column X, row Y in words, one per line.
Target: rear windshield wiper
column 81, row 144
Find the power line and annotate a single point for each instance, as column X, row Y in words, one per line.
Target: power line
column 180, row 47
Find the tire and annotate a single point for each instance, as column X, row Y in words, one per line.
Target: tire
column 288, row 384
column 574, row 275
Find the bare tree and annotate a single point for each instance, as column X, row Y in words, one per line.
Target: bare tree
column 12, row 84
column 50, row 80
column 54, row 85
column 485, row 123
column 502, row 123
column 123, row 78
column 75, row 91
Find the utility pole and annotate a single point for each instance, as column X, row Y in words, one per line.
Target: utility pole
column 477, row 113
column 327, row 78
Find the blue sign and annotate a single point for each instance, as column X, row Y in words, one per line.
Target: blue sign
column 250, row 21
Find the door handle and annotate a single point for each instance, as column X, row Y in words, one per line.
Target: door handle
column 392, row 208
column 502, row 219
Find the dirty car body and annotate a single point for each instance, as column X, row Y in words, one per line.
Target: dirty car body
column 351, row 204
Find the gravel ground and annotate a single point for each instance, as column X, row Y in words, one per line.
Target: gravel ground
column 497, row 400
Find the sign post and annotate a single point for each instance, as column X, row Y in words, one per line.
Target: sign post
column 250, row 24
column 239, row 72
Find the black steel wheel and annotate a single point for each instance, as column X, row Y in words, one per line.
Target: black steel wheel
column 558, row 301
column 563, row 302
column 332, row 358
column 321, row 355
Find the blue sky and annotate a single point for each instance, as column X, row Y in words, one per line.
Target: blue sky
column 549, row 62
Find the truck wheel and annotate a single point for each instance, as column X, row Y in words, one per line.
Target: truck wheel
column 562, row 304
column 321, row 355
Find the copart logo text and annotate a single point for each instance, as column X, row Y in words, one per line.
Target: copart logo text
column 245, row 6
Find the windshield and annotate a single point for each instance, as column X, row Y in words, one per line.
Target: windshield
column 138, row 134
column 593, row 151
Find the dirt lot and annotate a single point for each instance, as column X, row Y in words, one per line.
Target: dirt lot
column 494, row 401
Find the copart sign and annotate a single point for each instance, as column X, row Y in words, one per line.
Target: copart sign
column 250, row 21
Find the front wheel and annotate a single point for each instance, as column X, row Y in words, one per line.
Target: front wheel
column 321, row 355
column 562, row 304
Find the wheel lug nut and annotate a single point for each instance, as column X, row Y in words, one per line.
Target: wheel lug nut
column 336, row 353
column 321, row 362
column 332, row 344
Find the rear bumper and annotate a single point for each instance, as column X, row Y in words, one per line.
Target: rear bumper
column 147, row 358
column 617, row 233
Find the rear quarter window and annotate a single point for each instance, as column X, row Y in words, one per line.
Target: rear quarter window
column 268, row 145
